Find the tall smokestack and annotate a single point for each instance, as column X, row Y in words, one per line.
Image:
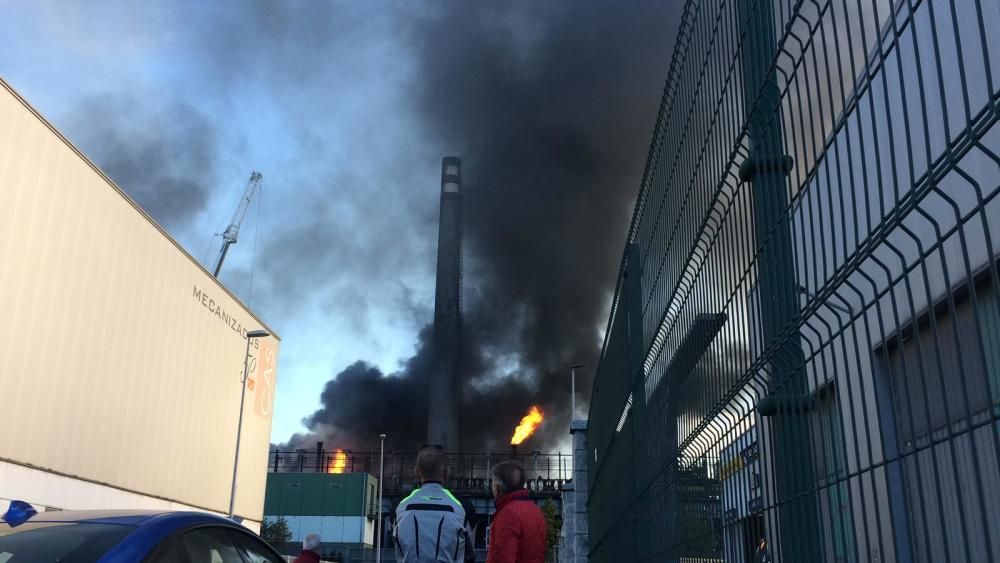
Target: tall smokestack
column 446, row 384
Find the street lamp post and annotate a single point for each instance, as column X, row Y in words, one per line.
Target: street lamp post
column 239, row 425
column 378, row 527
column 572, row 372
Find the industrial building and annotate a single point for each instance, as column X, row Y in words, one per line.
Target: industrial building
column 341, row 507
column 334, row 492
column 339, row 478
column 122, row 356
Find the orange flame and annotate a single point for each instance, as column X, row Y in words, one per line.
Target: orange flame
column 529, row 424
column 339, row 461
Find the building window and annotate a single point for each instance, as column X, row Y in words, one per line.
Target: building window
column 942, row 376
column 938, row 376
column 831, row 472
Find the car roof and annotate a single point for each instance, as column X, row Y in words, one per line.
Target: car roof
column 147, row 528
column 154, row 528
column 138, row 518
column 124, row 517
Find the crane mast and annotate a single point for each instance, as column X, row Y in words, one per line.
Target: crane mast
column 232, row 232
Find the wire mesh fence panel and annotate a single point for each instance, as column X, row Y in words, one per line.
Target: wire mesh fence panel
column 802, row 361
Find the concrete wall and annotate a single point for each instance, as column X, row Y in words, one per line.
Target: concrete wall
column 47, row 491
column 121, row 356
column 574, row 540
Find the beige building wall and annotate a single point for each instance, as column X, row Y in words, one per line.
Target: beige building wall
column 120, row 356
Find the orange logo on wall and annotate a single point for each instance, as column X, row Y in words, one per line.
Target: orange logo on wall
column 264, row 386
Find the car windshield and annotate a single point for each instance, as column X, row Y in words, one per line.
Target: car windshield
column 56, row 541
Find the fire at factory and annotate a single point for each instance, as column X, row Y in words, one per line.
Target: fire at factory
column 346, row 476
column 528, row 425
column 310, row 488
column 313, row 490
column 337, row 463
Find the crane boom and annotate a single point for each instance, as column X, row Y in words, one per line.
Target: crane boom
column 232, row 232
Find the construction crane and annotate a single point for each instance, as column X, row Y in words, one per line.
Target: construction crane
column 232, row 232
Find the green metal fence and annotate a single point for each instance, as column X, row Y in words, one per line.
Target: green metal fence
column 802, row 361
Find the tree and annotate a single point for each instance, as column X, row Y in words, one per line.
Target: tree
column 554, row 520
column 275, row 531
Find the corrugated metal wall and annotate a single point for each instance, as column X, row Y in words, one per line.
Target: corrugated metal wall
column 319, row 494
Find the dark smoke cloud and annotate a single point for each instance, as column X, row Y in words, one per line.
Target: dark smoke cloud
column 551, row 106
column 362, row 399
column 343, row 211
column 162, row 154
column 312, row 252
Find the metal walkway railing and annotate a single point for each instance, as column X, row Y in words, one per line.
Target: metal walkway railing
column 469, row 473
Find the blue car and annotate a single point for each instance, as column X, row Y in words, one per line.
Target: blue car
column 127, row 536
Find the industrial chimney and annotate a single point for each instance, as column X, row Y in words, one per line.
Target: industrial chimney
column 445, row 385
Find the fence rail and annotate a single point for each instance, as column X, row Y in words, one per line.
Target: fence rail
column 469, row 473
column 803, row 351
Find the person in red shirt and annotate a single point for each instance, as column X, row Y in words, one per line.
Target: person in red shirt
column 519, row 529
column 310, row 550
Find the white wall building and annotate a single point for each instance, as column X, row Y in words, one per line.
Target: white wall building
column 121, row 356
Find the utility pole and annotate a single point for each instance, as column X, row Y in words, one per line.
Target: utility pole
column 786, row 405
column 378, row 528
column 239, row 424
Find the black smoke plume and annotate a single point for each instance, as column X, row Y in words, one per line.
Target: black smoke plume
column 162, row 154
column 551, row 107
column 361, row 397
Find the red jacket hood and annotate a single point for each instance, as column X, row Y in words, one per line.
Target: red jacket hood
column 507, row 498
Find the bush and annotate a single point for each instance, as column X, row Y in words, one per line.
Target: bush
column 554, row 520
column 275, row 531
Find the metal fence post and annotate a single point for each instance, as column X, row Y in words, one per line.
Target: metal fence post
column 766, row 168
column 634, row 366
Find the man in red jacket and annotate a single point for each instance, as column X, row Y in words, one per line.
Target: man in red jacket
column 310, row 550
column 519, row 528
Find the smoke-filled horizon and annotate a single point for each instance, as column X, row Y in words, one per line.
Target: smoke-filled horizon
column 551, row 110
column 347, row 110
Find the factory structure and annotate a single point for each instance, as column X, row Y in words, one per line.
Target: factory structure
column 445, row 389
column 340, row 507
column 333, row 492
column 343, row 505
column 122, row 357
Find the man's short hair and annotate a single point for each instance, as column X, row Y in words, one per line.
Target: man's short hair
column 311, row 542
column 432, row 463
column 510, row 475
